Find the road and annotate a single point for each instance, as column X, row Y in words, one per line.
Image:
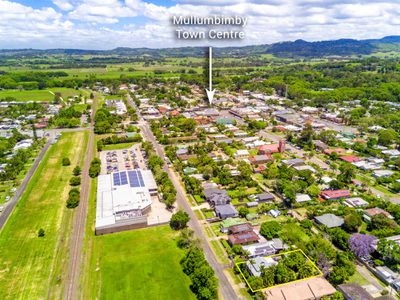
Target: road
column 225, row 286
column 78, row 232
column 14, row 200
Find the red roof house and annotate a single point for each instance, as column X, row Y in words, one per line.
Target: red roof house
column 335, row 194
column 243, row 238
column 272, row 148
column 350, row 158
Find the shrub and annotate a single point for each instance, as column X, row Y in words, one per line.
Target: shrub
column 95, row 168
column 74, row 181
column 77, row 171
column 73, row 198
column 66, row 161
column 41, row 232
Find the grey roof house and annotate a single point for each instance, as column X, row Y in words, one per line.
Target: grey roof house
column 329, row 220
column 216, row 196
column 226, row 211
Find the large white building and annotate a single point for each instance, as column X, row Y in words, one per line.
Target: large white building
column 124, row 200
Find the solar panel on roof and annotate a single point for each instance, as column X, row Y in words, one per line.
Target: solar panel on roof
column 140, row 178
column 116, row 179
column 133, row 179
column 124, row 179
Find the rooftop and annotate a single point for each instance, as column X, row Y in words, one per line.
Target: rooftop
column 313, row 288
column 330, row 220
column 123, row 195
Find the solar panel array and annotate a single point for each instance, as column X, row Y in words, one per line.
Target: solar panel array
column 135, row 178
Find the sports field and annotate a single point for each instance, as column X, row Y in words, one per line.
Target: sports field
column 33, row 267
column 139, row 264
column 40, row 95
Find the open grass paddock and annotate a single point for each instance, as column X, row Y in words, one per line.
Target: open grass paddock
column 33, row 267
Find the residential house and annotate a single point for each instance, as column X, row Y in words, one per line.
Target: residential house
column 293, row 162
column 216, row 196
column 371, row 212
column 243, row 238
column 265, row 197
column 355, row 202
column 260, row 159
column 272, row 148
column 329, row 220
column 335, row 194
column 225, row 211
column 255, row 265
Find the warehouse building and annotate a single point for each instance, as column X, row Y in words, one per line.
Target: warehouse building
column 124, row 200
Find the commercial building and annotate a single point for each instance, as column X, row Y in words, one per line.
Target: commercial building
column 124, row 200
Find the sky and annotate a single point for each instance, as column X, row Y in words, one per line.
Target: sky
column 107, row 24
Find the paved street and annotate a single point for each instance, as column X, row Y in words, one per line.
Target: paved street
column 14, row 200
column 226, row 289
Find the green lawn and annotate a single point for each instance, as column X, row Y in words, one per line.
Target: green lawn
column 32, row 267
column 219, row 252
column 358, row 278
column 137, row 264
column 40, row 95
column 117, row 146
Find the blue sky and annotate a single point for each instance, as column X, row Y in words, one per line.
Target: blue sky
column 106, row 24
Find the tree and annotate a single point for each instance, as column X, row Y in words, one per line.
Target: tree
column 306, row 136
column 386, row 136
column 306, row 270
column 313, row 190
column 73, row 198
column 95, row 167
column 185, row 238
column 243, row 211
column 339, row 238
column 352, row 222
column 284, row 274
column 179, row 220
column 390, row 251
column 347, row 173
column 270, row 229
column 75, row 180
column 204, row 283
column 380, row 221
column 338, row 275
column 361, row 244
column 41, row 232
column 66, row 161
column 76, row 171
column 245, row 170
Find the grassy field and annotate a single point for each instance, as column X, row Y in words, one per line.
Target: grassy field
column 118, row 146
column 33, row 267
column 137, row 264
column 40, row 95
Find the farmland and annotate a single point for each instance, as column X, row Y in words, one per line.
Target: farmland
column 40, row 95
column 32, row 267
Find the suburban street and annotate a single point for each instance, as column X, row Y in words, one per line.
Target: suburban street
column 14, row 200
column 225, row 286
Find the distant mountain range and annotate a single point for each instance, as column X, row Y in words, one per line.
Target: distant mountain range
column 292, row 49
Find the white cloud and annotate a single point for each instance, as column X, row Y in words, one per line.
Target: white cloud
column 95, row 23
column 63, row 4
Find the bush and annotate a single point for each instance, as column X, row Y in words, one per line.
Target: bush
column 77, row 171
column 73, row 198
column 41, row 232
column 95, row 168
column 74, row 181
column 66, row 161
